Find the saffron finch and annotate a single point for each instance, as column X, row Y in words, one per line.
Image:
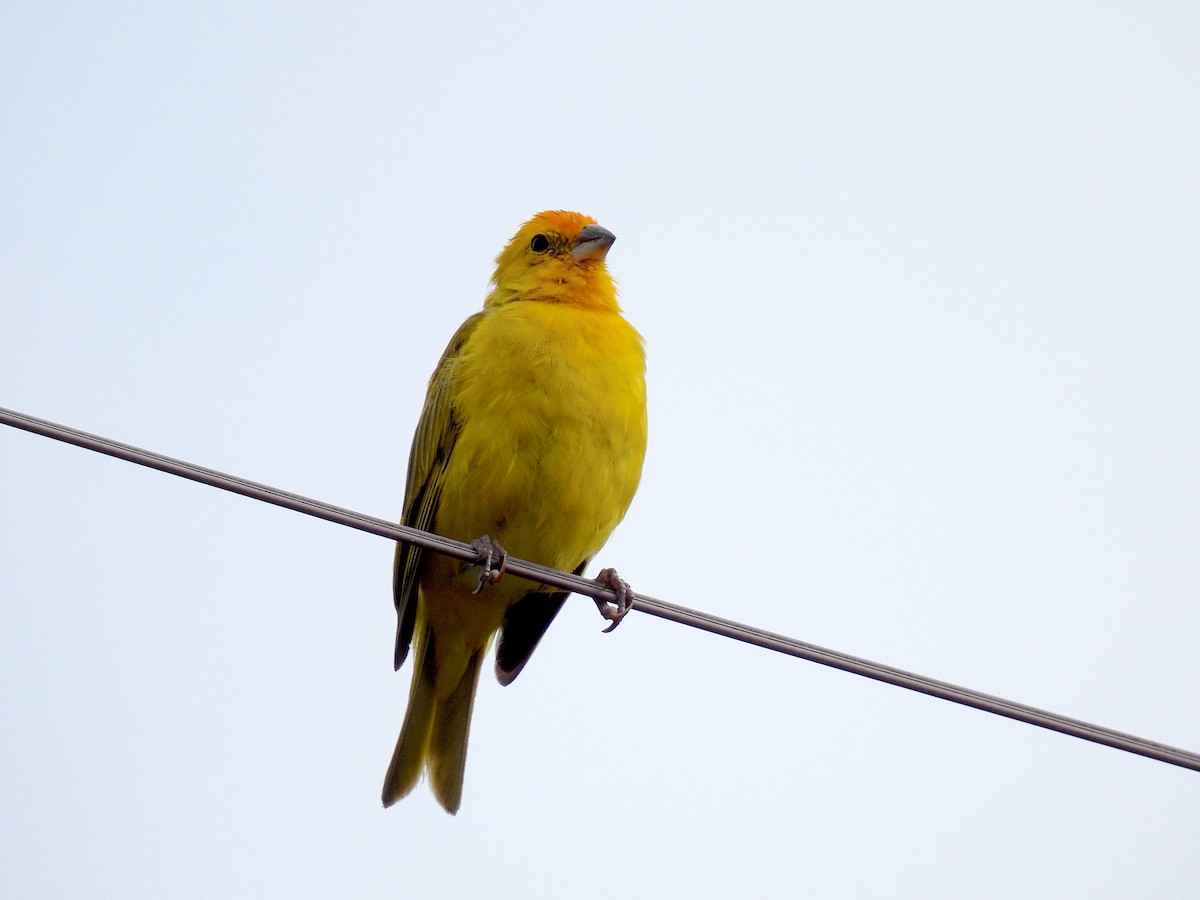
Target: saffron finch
column 531, row 441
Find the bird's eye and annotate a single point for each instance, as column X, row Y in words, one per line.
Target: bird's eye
column 540, row 243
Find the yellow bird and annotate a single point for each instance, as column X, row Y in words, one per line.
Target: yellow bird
column 531, row 441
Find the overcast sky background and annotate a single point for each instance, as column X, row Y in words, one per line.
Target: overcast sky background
column 920, row 287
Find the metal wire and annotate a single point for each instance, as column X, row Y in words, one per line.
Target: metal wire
column 669, row 611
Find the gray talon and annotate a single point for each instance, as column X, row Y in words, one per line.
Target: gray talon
column 614, row 612
column 492, row 560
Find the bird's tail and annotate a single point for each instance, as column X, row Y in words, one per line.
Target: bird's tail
column 435, row 731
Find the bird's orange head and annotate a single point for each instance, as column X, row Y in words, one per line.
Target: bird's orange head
column 556, row 257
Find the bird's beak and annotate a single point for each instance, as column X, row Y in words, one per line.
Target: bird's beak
column 592, row 243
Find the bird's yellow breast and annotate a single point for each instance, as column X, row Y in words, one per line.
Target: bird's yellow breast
column 551, row 399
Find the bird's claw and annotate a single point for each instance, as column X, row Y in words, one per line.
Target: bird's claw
column 614, row 612
column 492, row 559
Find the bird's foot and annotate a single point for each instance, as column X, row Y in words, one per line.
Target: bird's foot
column 492, row 560
column 614, row 612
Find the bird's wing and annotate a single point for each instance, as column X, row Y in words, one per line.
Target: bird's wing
column 524, row 624
column 431, row 448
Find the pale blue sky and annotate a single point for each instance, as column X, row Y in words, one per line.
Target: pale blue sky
column 919, row 285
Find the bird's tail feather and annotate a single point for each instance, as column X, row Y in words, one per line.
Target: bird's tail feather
column 435, row 731
column 448, row 740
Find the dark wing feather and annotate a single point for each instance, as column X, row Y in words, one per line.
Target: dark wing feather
column 431, row 448
column 524, row 624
